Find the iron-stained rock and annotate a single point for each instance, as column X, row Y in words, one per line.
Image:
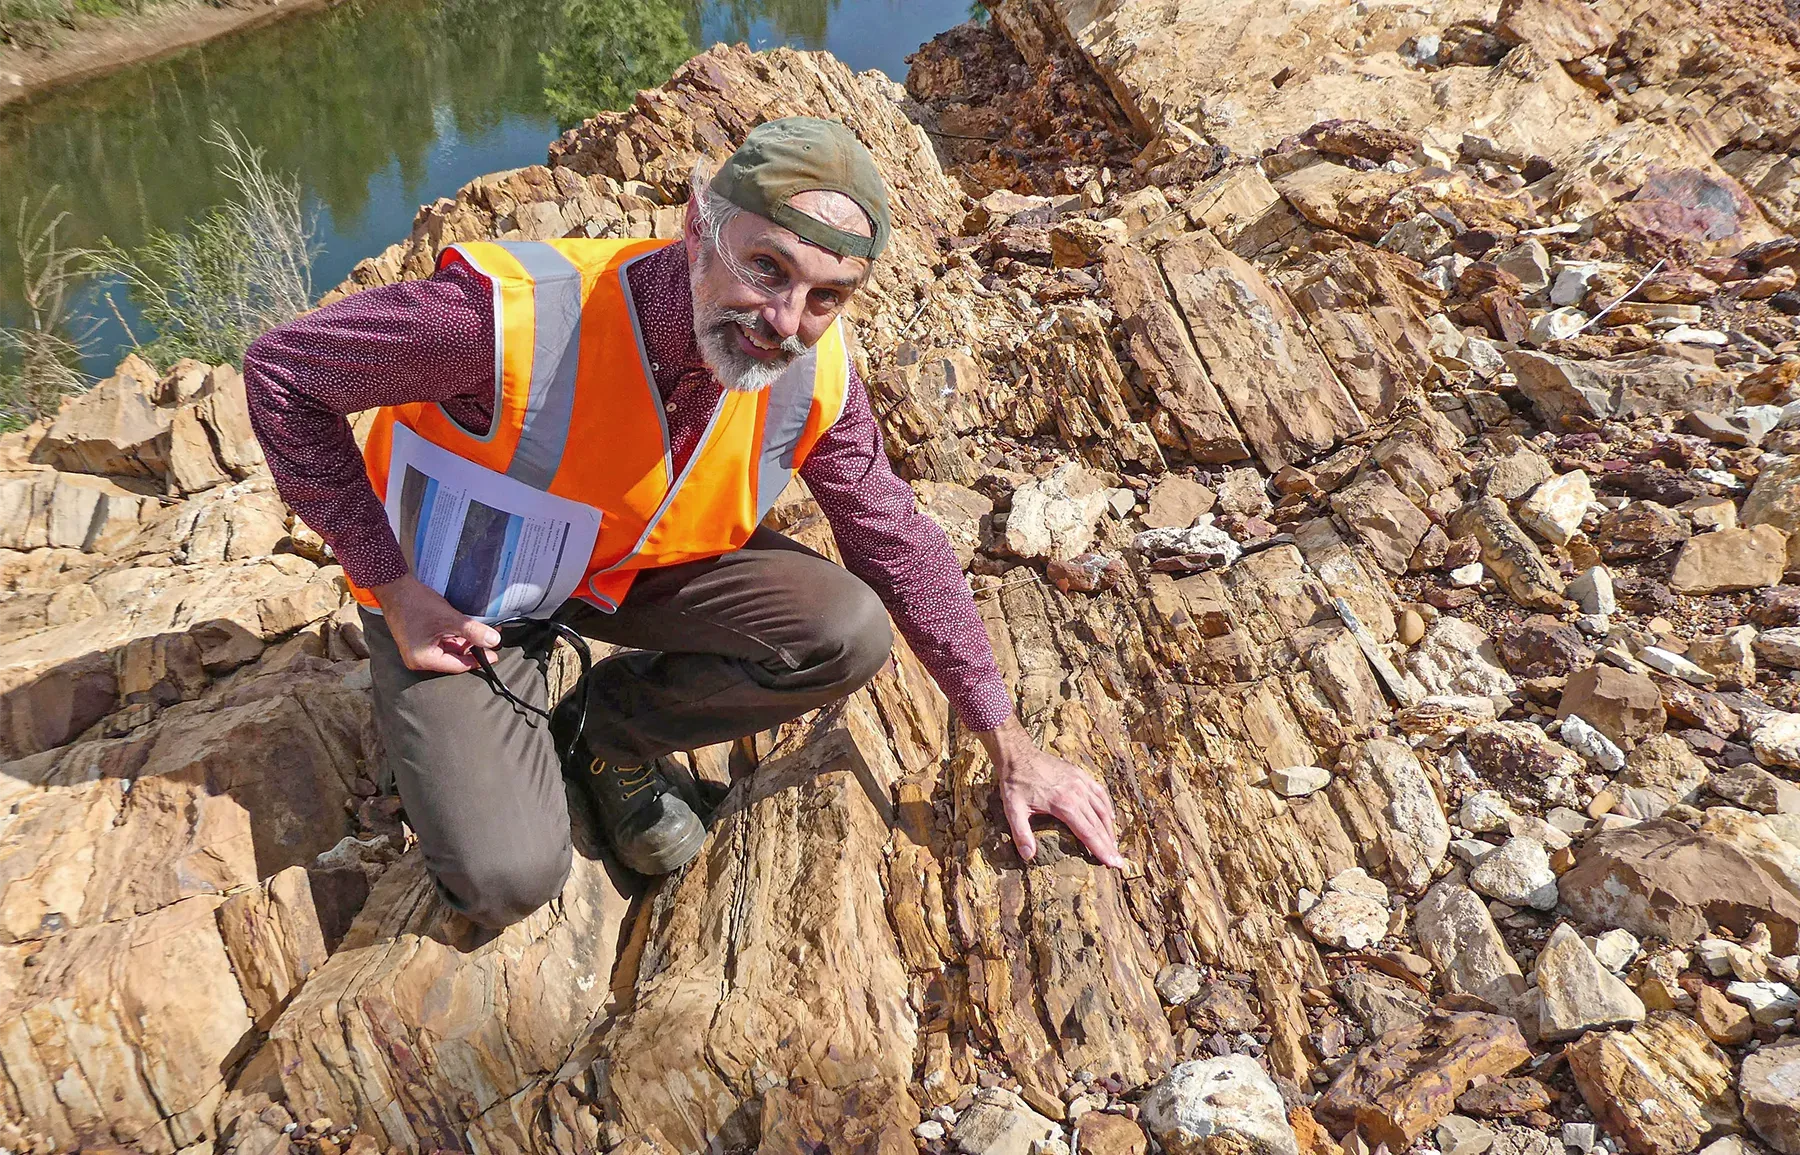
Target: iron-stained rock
column 1661, row 1087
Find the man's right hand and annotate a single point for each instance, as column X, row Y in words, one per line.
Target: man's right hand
column 433, row 636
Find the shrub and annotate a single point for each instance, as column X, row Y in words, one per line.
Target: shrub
column 209, row 291
column 40, row 359
column 37, row 23
column 34, row 23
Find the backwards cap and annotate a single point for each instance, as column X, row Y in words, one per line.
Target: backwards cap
column 783, row 158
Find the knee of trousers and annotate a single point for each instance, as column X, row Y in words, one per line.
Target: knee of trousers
column 857, row 635
column 500, row 891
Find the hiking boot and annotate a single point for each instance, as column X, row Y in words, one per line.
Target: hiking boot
column 650, row 826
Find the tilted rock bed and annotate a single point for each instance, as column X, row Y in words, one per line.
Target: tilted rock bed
column 1427, row 603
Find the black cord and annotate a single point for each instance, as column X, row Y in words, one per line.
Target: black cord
column 576, row 643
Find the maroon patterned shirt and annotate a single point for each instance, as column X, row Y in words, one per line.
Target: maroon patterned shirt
column 433, row 340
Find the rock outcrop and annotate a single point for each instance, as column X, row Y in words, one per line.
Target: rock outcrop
column 1369, row 435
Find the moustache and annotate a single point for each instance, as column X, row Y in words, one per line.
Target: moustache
column 763, row 331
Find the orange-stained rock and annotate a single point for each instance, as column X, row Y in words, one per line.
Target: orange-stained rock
column 1728, row 560
column 1104, row 1134
column 1662, row 879
column 1660, row 1087
column 875, row 1117
column 1625, row 706
column 1403, row 1085
column 1559, row 29
column 1312, row 1138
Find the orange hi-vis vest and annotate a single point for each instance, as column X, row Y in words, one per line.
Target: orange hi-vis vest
column 577, row 414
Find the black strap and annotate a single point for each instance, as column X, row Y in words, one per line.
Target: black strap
column 520, row 706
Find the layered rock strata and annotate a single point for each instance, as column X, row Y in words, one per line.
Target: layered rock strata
column 1322, row 445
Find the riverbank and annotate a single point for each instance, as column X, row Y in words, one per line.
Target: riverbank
column 99, row 45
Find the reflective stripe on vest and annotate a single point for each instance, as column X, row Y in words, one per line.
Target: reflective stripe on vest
column 578, row 414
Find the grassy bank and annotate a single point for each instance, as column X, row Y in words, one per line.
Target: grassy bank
column 46, row 44
column 47, row 24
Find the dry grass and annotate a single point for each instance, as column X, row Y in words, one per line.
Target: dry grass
column 40, row 358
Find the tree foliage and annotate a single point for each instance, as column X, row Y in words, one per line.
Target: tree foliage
column 607, row 50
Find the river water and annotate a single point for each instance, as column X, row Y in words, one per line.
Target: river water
column 379, row 106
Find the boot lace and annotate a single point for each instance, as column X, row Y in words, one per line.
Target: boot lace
column 629, row 781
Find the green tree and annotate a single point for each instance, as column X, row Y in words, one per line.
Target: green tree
column 607, row 51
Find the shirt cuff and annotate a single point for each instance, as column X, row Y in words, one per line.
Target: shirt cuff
column 369, row 559
column 984, row 706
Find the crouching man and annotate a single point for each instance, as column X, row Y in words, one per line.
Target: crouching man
column 588, row 433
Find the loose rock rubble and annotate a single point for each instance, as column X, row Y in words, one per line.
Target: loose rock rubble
column 1373, row 437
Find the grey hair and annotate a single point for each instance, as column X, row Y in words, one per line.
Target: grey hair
column 713, row 211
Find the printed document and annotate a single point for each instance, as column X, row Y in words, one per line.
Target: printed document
column 494, row 547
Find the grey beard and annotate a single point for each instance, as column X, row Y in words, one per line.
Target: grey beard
column 713, row 331
column 735, row 369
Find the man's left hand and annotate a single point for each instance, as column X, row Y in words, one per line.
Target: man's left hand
column 1034, row 782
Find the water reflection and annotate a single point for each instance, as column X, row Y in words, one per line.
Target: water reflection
column 381, row 105
column 800, row 23
column 605, row 50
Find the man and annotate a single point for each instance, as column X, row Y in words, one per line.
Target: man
column 658, row 395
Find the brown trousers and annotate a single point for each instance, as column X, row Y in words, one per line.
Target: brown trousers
column 723, row 648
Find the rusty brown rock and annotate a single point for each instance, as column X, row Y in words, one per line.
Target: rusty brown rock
column 126, row 1029
column 1505, row 1098
column 1542, row 647
column 1518, row 752
column 1375, row 510
column 1560, row 29
column 1177, row 503
column 1661, row 1086
column 846, row 991
column 414, row 1010
column 1728, row 560
column 1509, row 554
column 1403, row 1085
column 874, row 1117
column 1288, row 402
column 1359, row 138
column 1626, row 707
column 76, row 1022
column 82, row 855
column 1662, row 879
column 1725, row 1022
column 1078, row 242
column 1158, row 342
column 1105, row 1134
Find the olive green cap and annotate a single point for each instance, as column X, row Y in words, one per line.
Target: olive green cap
column 783, row 158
